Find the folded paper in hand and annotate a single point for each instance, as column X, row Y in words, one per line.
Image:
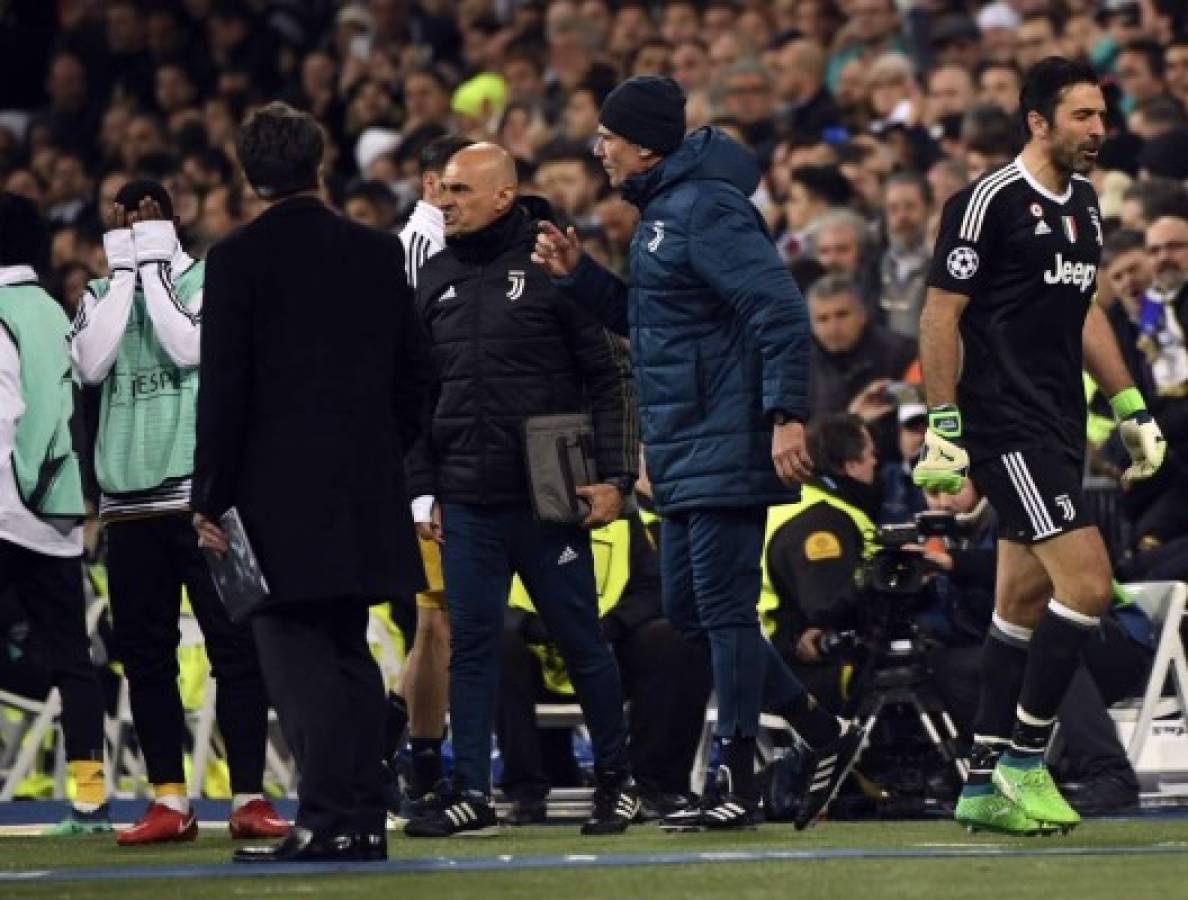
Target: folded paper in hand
column 236, row 573
column 559, row 454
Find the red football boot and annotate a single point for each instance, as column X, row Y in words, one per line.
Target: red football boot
column 257, row 819
column 159, row 825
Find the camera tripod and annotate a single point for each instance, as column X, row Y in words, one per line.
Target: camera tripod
column 897, row 675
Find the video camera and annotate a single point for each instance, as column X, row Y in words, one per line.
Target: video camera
column 891, row 583
column 899, row 571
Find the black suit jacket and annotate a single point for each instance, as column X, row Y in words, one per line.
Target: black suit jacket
column 315, row 378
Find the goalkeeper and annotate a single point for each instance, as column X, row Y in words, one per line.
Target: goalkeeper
column 1007, row 327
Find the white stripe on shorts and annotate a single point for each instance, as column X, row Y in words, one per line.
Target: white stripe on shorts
column 1041, row 522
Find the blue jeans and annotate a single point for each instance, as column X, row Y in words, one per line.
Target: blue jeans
column 710, row 578
column 483, row 547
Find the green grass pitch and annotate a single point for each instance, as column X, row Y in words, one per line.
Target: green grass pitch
column 1123, row 859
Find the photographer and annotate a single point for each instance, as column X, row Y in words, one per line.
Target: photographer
column 813, row 549
column 811, row 610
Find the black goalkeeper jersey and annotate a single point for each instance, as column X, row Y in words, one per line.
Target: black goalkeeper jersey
column 1027, row 259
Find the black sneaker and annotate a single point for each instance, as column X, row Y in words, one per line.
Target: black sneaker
column 657, row 805
column 825, row 769
column 525, row 811
column 465, row 814
column 411, row 807
column 715, row 812
column 616, row 803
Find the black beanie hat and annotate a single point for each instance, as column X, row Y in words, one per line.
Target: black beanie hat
column 648, row 110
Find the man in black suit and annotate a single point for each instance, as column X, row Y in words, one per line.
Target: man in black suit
column 315, row 375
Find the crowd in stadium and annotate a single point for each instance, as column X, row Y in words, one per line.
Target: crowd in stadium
column 865, row 117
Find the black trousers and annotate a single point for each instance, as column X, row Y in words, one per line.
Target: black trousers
column 148, row 561
column 49, row 591
column 1115, row 667
column 329, row 696
column 666, row 680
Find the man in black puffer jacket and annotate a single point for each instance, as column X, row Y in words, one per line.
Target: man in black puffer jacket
column 508, row 345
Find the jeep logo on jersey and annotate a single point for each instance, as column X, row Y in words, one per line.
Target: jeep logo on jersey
column 655, row 241
column 1065, row 271
column 516, row 278
column 963, row 262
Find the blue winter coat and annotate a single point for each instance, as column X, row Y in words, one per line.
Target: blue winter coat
column 719, row 330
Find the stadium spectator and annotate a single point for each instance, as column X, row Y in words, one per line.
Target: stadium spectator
column 1175, row 68
column 854, row 359
column 812, row 192
column 907, row 208
column 807, row 110
column 1139, row 71
column 569, row 177
column 999, row 83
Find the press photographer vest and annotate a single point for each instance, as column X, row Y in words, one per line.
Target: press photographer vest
column 778, row 516
column 147, row 412
column 47, row 472
column 611, row 546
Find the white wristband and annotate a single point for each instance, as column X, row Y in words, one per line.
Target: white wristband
column 156, row 241
column 117, row 245
column 422, row 508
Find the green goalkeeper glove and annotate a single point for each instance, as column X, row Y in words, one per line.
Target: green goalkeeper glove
column 1140, row 435
column 943, row 463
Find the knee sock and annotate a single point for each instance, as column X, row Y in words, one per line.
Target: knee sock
column 426, row 765
column 172, row 795
column 89, row 789
column 1001, row 671
column 738, row 759
column 1053, row 660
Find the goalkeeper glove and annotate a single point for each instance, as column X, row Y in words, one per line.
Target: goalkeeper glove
column 1140, row 435
column 943, row 463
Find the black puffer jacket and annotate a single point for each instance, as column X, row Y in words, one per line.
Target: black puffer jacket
column 508, row 345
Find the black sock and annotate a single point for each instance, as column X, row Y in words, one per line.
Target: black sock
column 816, row 726
column 1000, row 672
column 426, row 765
column 1053, row 660
column 738, row 759
column 395, row 725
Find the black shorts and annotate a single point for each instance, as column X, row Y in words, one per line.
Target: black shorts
column 1036, row 493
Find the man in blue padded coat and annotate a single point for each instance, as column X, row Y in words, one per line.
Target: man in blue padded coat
column 720, row 341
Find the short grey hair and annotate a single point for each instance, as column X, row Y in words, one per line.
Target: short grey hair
column 846, row 218
column 748, row 65
column 833, row 285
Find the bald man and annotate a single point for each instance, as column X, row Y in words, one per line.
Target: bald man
column 508, row 346
column 807, row 108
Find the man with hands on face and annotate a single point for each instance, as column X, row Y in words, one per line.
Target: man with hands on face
column 720, row 342
column 507, row 346
column 137, row 336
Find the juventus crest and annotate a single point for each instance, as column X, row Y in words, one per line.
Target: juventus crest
column 515, row 278
column 654, row 243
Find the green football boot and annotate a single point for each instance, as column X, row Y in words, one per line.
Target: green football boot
column 991, row 811
column 97, row 822
column 1030, row 785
